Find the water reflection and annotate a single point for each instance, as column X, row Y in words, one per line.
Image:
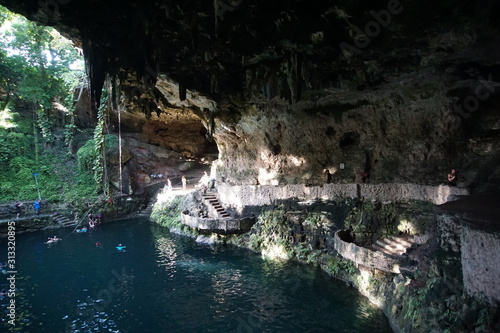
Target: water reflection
column 24, row 319
column 168, row 283
column 95, row 313
column 167, row 253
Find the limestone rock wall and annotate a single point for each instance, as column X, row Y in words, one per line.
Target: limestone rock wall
column 481, row 263
column 479, row 255
column 405, row 131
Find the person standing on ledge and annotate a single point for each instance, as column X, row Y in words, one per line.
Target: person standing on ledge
column 184, row 182
column 452, row 178
column 328, row 176
column 18, row 208
column 36, row 206
column 364, row 176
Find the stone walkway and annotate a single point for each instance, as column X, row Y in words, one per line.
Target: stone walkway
column 23, row 218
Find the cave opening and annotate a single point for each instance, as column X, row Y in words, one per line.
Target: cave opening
column 210, row 147
column 330, row 131
column 349, row 139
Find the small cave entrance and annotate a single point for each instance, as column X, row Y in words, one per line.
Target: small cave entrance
column 330, row 132
column 349, row 139
column 210, row 147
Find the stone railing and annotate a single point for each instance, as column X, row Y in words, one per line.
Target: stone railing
column 372, row 259
column 239, row 196
column 219, row 226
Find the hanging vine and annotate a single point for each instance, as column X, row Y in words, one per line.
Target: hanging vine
column 45, row 125
column 100, row 175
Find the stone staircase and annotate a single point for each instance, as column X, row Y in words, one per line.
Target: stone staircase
column 214, row 207
column 394, row 245
column 146, row 211
column 63, row 221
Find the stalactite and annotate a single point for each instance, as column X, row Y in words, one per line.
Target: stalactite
column 96, row 66
column 298, row 77
column 292, row 77
column 210, row 124
column 216, row 17
column 214, row 84
column 114, row 94
column 182, row 91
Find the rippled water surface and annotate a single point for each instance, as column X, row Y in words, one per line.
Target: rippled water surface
column 168, row 283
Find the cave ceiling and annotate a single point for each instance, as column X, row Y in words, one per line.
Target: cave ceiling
column 211, row 46
column 288, row 88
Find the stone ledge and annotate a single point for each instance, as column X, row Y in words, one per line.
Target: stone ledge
column 219, row 226
column 372, row 259
column 239, row 196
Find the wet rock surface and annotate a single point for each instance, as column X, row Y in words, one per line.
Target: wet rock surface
column 480, row 211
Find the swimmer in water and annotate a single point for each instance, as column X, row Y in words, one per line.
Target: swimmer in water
column 83, row 229
column 121, row 247
column 98, row 244
column 52, row 240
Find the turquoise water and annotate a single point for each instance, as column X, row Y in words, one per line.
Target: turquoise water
column 168, row 283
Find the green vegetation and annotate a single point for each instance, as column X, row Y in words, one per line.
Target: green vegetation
column 340, row 267
column 40, row 71
column 436, row 299
column 167, row 214
column 271, row 233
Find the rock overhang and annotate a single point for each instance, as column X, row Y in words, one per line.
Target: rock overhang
column 375, row 71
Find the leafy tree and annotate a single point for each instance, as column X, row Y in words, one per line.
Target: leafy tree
column 39, row 71
column 38, row 67
column 11, row 73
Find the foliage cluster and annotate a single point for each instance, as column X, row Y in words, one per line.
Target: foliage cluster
column 340, row 267
column 39, row 70
column 167, row 214
column 56, row 176
column 442, row 304
column 271, row 230
column 372, row 221
column 12, row 145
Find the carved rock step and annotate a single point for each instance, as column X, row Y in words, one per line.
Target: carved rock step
column 212, row 200
column 64, row 221
column 395, row 245
column 146, row 211
column 406, row 241
column 379, row 246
